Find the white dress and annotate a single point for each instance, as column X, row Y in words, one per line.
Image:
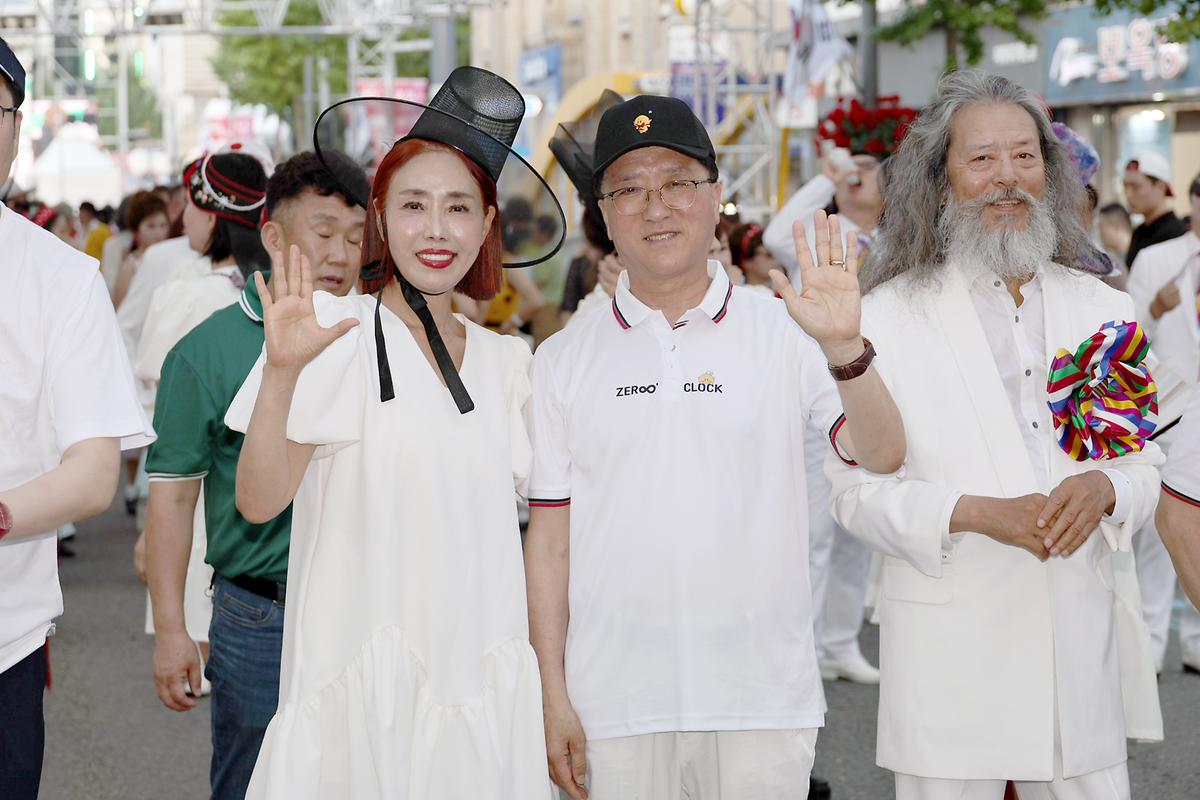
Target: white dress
column 407, row 671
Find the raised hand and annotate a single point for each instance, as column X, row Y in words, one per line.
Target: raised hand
column 294, row 336
column 829, row 306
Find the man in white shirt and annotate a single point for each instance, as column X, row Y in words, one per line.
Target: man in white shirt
column 1009, row 635
column 1178, row 515
column 66, row 401
column 1163, row 282
column 668, row 504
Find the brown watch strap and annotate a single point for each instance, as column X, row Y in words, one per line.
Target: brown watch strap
column 848, row 372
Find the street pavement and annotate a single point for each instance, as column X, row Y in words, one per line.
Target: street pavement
column 109, row 738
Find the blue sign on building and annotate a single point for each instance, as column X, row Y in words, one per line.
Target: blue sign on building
column 1121, row 57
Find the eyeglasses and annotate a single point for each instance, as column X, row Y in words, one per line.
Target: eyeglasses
column 676, row 195
column 6, row 110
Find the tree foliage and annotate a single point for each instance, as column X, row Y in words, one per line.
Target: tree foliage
column 964, row 22
column 270, row 69
column 1185, row 25
column 145, row 118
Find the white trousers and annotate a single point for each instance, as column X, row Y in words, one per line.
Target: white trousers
column 1156, row 575
column 720, row 765
column 839, row 568
column 1105, row 784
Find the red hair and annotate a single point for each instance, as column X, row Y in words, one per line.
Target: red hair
column 483, row 279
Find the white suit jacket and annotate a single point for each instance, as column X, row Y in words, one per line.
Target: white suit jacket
column 1175, row 336
column 977, row 643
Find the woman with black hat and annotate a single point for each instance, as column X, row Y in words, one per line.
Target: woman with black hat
column 396, row 428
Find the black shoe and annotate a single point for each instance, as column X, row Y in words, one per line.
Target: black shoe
column 819, row 789
column 1188, row 669
column 65, row 550
column 131, row 504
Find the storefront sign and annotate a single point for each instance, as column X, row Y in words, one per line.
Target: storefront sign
column 1115, row 58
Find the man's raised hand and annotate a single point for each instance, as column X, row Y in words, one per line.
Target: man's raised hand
column 829, row 305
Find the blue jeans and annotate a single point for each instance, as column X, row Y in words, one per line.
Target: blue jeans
column 245, row 640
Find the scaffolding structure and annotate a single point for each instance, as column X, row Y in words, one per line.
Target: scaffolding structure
column 58, row 34
column 737, row 60
column 739, row 56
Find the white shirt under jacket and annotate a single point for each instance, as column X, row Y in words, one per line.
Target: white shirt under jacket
column 981, row 642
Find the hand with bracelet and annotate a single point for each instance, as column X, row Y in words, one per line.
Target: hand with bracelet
column 829, row 309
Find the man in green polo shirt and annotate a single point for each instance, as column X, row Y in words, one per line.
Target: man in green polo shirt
column 305, row 208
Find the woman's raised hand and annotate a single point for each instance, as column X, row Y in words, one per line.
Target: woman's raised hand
column 294, row 336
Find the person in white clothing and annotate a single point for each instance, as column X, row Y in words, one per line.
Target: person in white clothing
column 667, row 550
column 1178, row 515
column 407, row 672
column 67, row 404
column 1011, row 642
column 840, row 564
column 849, row 182
column 1164, row 283
column 162, row 263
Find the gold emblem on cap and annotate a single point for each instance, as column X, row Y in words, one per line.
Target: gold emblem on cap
column 642, row 123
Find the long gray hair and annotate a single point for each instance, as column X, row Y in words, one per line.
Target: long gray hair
column 918, row 185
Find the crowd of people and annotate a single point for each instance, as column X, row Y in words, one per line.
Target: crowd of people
column 433, row 507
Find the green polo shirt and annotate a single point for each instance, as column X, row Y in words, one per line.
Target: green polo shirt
column 200, row 377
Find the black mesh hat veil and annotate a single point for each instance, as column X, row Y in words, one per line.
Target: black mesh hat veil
column 574, row 146
column 477, row 113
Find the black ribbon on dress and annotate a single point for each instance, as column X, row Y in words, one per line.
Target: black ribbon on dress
column 416, row 301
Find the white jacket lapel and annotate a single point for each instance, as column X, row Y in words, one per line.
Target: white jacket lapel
column 966, row 340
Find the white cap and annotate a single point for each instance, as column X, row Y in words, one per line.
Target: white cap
column 1152, row 165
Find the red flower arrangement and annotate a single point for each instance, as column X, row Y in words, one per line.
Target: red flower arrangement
column 877, row 131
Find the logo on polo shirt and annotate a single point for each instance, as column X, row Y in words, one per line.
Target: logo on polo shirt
column 629, row 391
column 707, row 382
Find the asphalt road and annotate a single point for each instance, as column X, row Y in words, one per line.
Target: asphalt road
column 109, row 738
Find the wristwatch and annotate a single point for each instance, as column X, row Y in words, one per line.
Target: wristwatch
column 6, row 520
column 848, row 372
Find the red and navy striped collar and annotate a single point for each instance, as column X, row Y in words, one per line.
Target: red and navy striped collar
column 629, row 311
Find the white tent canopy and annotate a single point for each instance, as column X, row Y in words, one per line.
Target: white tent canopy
column 73, row 168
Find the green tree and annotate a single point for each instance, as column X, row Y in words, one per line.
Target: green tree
column 270, row 69
column 145, row 118
column 964, row 22
column 1185, row 25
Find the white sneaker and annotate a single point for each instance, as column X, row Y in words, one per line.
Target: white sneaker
column 853, row 667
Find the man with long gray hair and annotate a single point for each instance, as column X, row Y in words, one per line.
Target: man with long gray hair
column 1008, row 611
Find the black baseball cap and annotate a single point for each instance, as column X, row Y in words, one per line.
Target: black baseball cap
column 650, row 121
column 12, row 69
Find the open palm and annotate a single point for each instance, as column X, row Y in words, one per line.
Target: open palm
column 829, row 306
column 294, row 336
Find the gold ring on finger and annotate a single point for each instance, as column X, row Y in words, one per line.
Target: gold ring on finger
column 833, row 262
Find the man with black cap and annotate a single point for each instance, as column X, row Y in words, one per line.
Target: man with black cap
column 67, row 405
column 668, row 503
column 1147, row 184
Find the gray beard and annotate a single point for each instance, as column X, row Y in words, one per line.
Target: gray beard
column 1009, row 252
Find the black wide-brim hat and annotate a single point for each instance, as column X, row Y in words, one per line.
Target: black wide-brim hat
column 477, row 113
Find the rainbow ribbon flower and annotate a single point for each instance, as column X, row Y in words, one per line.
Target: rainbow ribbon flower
column 1103, row 398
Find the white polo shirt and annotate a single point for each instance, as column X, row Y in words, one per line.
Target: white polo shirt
column 1181, row 472
column 680, row 451
column 64, row 377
